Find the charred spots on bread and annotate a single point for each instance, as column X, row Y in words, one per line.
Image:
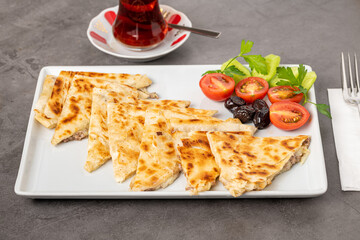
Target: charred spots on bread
column 190, row 166
column 73, row 115
column 248, row 154
column 286, row 144
column 227, row 145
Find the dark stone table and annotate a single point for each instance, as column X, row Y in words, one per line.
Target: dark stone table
column 39, row 33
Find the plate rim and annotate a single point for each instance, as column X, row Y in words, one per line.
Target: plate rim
column 154, row 194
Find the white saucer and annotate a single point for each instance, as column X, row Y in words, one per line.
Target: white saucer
column 100, row 35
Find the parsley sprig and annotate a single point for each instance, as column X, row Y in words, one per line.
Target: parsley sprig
column 256, row 62
column 288, row 79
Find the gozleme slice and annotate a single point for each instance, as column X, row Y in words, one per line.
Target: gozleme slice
column 158, row 164
column 59, row 92
column 55, row 103
column 125, row 127
column 138, row 81
column 250, row 163
column 197, row 161
column 210, row 124
column 98, row 141
column 74, row 120
column 43, row 99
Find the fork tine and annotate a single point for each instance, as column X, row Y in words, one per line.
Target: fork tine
column 344, row 80
column 353, row 91
column 350, row 95
column 356, row 73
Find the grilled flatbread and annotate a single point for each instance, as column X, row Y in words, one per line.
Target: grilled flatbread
column 197, row 161
column 188, row 113
column 250, row 163
column 54, row 106
column 210, row 124
column 98, row 143
column 74, row 120
column 55, row 103
column 125, row 127
column 43, row 99
column 158, row 163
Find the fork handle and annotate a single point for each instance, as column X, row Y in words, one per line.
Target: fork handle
column 200, row 31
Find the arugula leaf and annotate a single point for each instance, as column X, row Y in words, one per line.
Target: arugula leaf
column 256, row 62
column 245, row 47
column 323, row 109
column 211, row 71
column 232, row 70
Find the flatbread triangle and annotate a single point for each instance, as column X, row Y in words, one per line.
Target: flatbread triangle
column 250, row 163
column 158, row 164
column 126, row 124
column 120, row 121
column 197, row 161
column 98, row 141
column 74, row 120
column 45, row 95
column 57, row 91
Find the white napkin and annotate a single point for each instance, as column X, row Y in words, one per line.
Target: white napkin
column 346, row 127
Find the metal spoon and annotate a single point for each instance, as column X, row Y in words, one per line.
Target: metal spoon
column 200, row 31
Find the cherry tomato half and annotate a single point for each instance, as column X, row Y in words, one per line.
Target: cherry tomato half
column 281, row 93
column 217, row 86
column 252, row 88
column 288, row 115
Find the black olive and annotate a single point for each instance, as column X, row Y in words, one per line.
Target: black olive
column 259, row 104
column 250, row 109
column 238, row 100
column 233, row 110
column 229, row 104
column 242, row 114
column 261, row 118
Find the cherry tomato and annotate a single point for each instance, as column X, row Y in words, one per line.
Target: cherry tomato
column 217, row 86
column 252, row 88
column 288, row 115
column 281, row 93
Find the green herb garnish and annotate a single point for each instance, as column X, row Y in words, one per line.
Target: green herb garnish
column 256, row 62
column 288, row 78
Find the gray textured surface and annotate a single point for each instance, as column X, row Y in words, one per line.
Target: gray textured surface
column 38, row 33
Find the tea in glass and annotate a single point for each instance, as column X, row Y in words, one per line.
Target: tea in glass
column 139, row 24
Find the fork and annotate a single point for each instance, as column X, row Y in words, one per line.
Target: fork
column 204, row 32
column 351, row 94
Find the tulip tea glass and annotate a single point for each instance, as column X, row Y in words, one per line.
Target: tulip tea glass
column 139, row 24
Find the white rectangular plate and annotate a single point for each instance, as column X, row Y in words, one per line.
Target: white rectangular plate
column 47, row 171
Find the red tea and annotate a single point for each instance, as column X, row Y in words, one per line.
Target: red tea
column 139, row 24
